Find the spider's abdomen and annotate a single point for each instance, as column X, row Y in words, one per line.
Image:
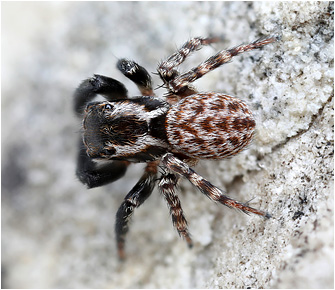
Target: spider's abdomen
column 209, row 125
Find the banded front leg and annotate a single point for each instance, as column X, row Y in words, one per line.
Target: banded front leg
column 180, row 82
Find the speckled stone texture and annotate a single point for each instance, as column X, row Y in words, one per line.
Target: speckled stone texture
column 57, row 234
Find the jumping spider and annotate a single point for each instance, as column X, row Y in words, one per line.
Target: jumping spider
column 173, row 134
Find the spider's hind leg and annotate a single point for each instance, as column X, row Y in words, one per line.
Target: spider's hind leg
column 167, row 186
column 212, row 192
column 139, row 193
column 137, row 74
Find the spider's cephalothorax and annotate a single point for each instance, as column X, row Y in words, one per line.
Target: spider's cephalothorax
column 125, row 129
column 173, row 134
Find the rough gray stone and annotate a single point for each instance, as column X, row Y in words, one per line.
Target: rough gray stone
column 57, row 234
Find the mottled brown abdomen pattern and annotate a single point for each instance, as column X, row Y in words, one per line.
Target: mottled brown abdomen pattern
column 209, row 126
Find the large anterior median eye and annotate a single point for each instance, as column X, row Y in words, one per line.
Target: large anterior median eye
column 108, row 107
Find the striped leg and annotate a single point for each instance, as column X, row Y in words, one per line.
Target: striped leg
column 167, row 187
column 167, row 68
column 176, row 165
column 179, row 82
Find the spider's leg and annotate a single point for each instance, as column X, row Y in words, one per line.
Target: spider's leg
column 176, row 165
column 94, row 175
column 110, row 88
column 167, row 187
column 178, row 83
column 166, row 69
column 89, row 172
column 137, row 74
column 139, row 193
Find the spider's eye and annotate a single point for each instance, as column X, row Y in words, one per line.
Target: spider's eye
column 108, row 151
column 108, row 107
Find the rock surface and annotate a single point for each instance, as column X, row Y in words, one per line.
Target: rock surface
column 57, row 234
